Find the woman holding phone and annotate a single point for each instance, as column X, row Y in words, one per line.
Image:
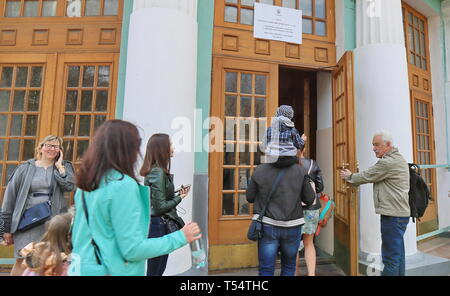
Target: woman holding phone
column 164, row 198
column 37, row 181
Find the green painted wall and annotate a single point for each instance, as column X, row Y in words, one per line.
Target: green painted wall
column 127, row 10
column 435, row 4
column 350, row 24
column 205, row 19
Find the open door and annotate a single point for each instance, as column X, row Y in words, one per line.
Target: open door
column 344, row 155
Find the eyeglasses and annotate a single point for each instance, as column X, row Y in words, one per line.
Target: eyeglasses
column 50, row 146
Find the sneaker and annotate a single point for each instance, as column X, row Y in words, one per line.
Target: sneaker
column 301, row 247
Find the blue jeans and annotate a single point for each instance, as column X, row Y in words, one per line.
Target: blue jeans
column 156, row 266
column 287, row 239
column 393, row 245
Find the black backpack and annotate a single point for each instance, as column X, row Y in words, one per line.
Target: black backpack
column 419, row 194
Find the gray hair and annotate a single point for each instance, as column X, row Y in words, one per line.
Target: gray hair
column 385, row 135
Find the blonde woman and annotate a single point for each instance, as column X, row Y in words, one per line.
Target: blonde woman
column 34, row 182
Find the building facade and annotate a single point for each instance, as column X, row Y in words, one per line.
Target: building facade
column 192, row 69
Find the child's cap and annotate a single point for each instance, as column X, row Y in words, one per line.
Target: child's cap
column 286, row 111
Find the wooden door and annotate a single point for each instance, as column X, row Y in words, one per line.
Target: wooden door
column 87, row 91
column 58, row 72
column 244, row 95
column 26, row 95
column 344, row 155
column 62, row 94
column 419, row 72
column 40, row 94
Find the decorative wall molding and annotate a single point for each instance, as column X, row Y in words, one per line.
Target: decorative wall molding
column 8, row 37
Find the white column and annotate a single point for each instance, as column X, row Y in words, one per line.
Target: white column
column 160, row 88
column 443, row 144
column 382, row 102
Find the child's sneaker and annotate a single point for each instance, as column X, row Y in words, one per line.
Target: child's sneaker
column 302, row 246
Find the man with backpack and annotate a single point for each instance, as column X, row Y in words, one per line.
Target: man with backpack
column 390, row 178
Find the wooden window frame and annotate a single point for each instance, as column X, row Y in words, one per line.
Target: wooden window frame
column 22, row 9
column 219, row 19
column 427, row 100
column 61, row 10
column 313, row 18
column 75, row 137
column 25, row 113
column 102, row 9
column 410, row 48
column 237, row 142
column 239, row 6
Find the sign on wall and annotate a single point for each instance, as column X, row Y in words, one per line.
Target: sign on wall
column 278, row 23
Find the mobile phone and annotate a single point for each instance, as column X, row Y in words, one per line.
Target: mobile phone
column 187, row 186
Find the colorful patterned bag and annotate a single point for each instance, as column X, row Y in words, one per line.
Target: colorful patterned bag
column 326, row 211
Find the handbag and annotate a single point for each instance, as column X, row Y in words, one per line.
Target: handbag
column 38, row 214
column 255, row 229
column 172, row 225
column 326, row 211
column 35, row 216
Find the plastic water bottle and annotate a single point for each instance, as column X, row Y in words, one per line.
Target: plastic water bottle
column 198, row 254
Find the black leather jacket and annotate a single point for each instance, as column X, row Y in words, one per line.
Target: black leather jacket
column 316, row 175
column 163, row 199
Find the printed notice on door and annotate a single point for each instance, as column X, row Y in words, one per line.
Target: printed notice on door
column 278, row 23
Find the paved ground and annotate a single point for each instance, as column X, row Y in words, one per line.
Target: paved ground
column 438, row 246
column 325, row 267
column 321, row 270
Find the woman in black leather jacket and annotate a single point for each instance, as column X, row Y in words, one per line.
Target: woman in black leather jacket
column 164, row 199
column 311, row 213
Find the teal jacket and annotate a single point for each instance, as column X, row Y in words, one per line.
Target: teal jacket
column 119, row 218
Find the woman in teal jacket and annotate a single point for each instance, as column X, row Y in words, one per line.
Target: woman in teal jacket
column 111, row 238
